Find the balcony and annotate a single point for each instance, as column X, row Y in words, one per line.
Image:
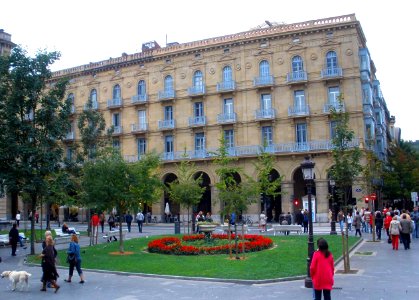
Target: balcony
column 265, row 114
column 139, row 128
column 198, row 90
column 167, row 95
column 69, row 136
column 114, row 103
column 226, row 118
column 117, row 130
column 298, row 111
column 263, row 81
column 296, row 77
column 367, row 109
column 226, row 86
column 337, row 107
column 166, row 124
column 191, row 154
column 331, row 73
column 139, row 99
column 197, row 121
column 94, row 106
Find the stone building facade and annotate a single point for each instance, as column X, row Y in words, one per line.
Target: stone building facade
column 271, row 86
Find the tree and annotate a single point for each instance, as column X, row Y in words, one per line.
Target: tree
column 110, row 182
column 401, row 172
column 186, row 190
column 234, row 196
column 346, row 166
column 264, row 167
column 33, row 119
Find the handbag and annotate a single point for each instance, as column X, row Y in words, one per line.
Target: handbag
column 71, row 258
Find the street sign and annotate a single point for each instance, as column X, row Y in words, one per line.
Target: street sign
column 414, row 196
column 373, row 196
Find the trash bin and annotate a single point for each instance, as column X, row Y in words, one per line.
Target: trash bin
column 177, row 227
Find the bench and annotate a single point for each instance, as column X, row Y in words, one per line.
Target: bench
column 224, row 228
column 61, row 237
column 286, row 228
column 114, row 234
column 4, row 239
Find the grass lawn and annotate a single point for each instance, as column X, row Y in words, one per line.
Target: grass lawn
column 288, row 258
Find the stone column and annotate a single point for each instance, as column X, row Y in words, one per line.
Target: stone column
column 287, row 189
column 322, row 200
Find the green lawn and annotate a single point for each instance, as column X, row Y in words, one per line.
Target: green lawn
column 288, row 258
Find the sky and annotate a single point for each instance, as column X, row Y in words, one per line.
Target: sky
column 93, row 30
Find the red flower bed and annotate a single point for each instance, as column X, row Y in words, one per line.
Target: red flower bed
column 173, row 245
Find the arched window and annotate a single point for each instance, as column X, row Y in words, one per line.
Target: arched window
column 116, row 92
column 227, row 74
column 168, row 83
column 93, row 96
column 297, row 64
column 141, row 89
column 197, row 79
column 331, row 60
column 70, row 98
column 264, row 69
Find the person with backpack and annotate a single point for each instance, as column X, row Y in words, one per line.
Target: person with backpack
column 140, row 221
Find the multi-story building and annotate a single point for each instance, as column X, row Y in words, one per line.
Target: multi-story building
column 270, row 87
column 6, row 43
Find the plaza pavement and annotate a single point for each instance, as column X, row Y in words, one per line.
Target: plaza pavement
column 386, row 274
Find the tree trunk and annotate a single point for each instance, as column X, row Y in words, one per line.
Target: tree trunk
column 243, row 241
column 33, row 237
column 236, row 240
column 121, row 242
column 229, row 240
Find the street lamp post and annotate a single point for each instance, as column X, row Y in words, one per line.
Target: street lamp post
column 307, row 167
column 333, row 222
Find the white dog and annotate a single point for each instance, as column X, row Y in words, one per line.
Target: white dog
column 21, row 277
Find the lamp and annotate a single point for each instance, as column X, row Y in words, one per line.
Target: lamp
column 307, row 166
column 332, row 221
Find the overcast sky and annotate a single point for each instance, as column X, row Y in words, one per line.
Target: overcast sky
column 92, row 30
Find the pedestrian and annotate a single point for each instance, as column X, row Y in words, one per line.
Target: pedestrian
column 262, row 221
column 395, row 229
column 128, row 220
column 406, row 230
column 14, row 238
column 44, row 245
column 18, row 218
column 36, row 217
column 140, row 221
column 74, row 259
column 415, row 219
column 305, row 221
column 95, row 226
column 49, row 271
column 322, row 271
column 111, row 222
column 358, row 223
column 341, row 218
column 378, row 224
column 350, row 220
column 102, row 221
column 387, row 222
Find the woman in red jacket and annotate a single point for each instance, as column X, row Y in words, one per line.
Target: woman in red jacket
column 387, row 222
column 322, row 270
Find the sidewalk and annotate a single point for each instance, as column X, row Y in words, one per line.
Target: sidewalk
column 382, row 274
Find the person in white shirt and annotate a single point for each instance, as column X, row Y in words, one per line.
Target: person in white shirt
column 18, row 218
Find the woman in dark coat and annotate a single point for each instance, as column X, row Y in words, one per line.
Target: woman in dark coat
column 378, row 224
column 48, row 265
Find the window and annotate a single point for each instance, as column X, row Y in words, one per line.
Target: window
column 226, row 50
column 141, row 89
column 297, row 64
column 229, row 138
column 267, row 136
column 168, row 113
column 168, row 83
column 70, row 98
column 333, row 125
column 141, row 147
column 142, row 119
column 168, row 144
column 199, row 141
column 301, row 133
column 116, row 144
column 369, row 129
column 228, row 106
column 265, row 101
column 299, row 100
column 93, row 96
column 116, row 120
column 333, row 95
column 227, row 74
column 197, row 55
column 116, row 94
column 197, row 79
column 198, row 109
column 264, row 69
column 366, row 94
column 331, row 60
column 69, row 154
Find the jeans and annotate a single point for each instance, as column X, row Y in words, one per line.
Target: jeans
column 341, row 225
column 378, row 231
column 78, row 268
column 326, row 294
column 140, row 226
column 416, row 231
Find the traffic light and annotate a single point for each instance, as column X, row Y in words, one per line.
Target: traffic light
column 296, row 202
column 367, row 199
